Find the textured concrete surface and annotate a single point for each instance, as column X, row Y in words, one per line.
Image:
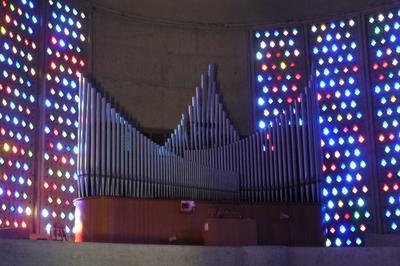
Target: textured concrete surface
column 149, row 54
column 235, row 11
column 153, row 70
column 27, row 252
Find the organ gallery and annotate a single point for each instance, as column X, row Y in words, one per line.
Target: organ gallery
column 211, row 130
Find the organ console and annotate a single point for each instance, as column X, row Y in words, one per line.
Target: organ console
column 204, row 158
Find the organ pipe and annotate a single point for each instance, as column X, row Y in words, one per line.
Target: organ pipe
column 203, row 159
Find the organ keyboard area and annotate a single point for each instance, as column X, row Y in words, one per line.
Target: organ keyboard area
column 204, row 158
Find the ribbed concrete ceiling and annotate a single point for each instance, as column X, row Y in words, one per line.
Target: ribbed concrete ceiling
column 234, row 11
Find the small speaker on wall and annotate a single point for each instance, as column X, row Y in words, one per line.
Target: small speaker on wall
column 187, row 206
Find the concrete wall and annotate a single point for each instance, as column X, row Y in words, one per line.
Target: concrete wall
column 234, row 11
column 28, row 252
column 153, row 70
column 149, row 54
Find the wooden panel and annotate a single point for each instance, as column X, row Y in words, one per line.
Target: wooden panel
column 127, row 220
column 230, row 232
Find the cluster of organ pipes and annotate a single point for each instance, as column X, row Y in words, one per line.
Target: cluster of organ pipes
column 279, row 164
column 204, row 157
column 115, row 159
column 205, row 124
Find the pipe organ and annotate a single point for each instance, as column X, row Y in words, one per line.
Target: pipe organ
column 204, row 158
